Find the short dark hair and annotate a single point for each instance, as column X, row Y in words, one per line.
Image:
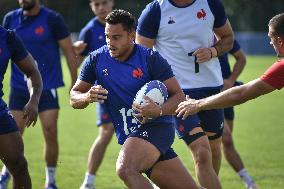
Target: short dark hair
column 277, row 24
column 119, row 16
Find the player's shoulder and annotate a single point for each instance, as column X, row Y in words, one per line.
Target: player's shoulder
column 49, row 11
column 13, row 12
column 92, row 24
column 52, row 14
column 102, row 51
column 154, row 5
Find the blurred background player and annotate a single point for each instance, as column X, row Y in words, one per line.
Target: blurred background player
column 230, row 80
column 92, row 37
column 183, row 32
column 11, row 143
column 272, row 79
column 145, row 147
column 42, row 31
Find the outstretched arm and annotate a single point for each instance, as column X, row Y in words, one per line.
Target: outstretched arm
column 234, row 96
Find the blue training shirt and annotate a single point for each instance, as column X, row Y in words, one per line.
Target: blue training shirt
column 40, row 34
column 224, row 60
column 12, row 48
column 123, row 80
column 93, row 34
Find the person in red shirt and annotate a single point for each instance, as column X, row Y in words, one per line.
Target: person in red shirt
column 271, row 80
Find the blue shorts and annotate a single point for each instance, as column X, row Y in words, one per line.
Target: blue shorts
column 229, row 113
column 209, row 120
column 19, row 98
column 103, row 116
column 7, row 124
column 161, row 136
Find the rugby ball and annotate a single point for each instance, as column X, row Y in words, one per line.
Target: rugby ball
column 155, row 90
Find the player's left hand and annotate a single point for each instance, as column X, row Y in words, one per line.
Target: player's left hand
column 148, row 111
column 202, row 55
column 30, row 113
column 188, row 107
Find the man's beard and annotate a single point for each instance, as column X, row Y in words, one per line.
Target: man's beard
column 28, row 6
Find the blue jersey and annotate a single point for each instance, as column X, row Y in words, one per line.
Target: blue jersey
column 93, row 34
column 224, row 61
column 10, row 48
column 123, row 80
column 40, row 34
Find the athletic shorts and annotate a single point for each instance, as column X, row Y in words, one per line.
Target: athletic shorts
column 7, row 123
column 19, row 98
column 161, row 136
column 209, row 120
column 103, row 117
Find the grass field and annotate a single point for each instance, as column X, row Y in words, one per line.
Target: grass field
column 258, row 133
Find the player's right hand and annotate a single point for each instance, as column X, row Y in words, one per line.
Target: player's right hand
column 79, row 47
column 97, row 94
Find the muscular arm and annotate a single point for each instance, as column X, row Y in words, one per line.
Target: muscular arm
column 83, row 93
column 176, row 96
column 66, row 46
column 240, row 62
column 225, row 38
column 29, row 68
column 230, row 97
column 236, row 95
column 239, row 65
column 78, row 94
column 146, row 42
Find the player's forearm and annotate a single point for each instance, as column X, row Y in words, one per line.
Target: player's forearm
column 80, row 59
column 228, row 98
column 72, row 66
column 35, row 87
column 224, row 45
column 78, row 100
column 169, row 107
column 238, row 67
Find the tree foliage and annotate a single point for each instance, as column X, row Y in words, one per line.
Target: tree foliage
column 244, row 15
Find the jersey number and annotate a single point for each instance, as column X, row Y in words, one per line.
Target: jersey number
column 127, row 114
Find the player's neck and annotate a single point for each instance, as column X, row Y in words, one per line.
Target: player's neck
column 34, row 11
column 127, row 54
column 102, row 21
column 182, row 2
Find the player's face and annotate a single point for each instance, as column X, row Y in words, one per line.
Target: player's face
column 276, row 42
column 27, row 4
column 119, row 41
column 101, row 8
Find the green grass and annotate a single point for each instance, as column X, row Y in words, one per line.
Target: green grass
column 258, row 134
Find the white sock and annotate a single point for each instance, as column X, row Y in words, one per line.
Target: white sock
column 4, row 170
column 89, row 179
column 246, row 178
column 50, row 175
